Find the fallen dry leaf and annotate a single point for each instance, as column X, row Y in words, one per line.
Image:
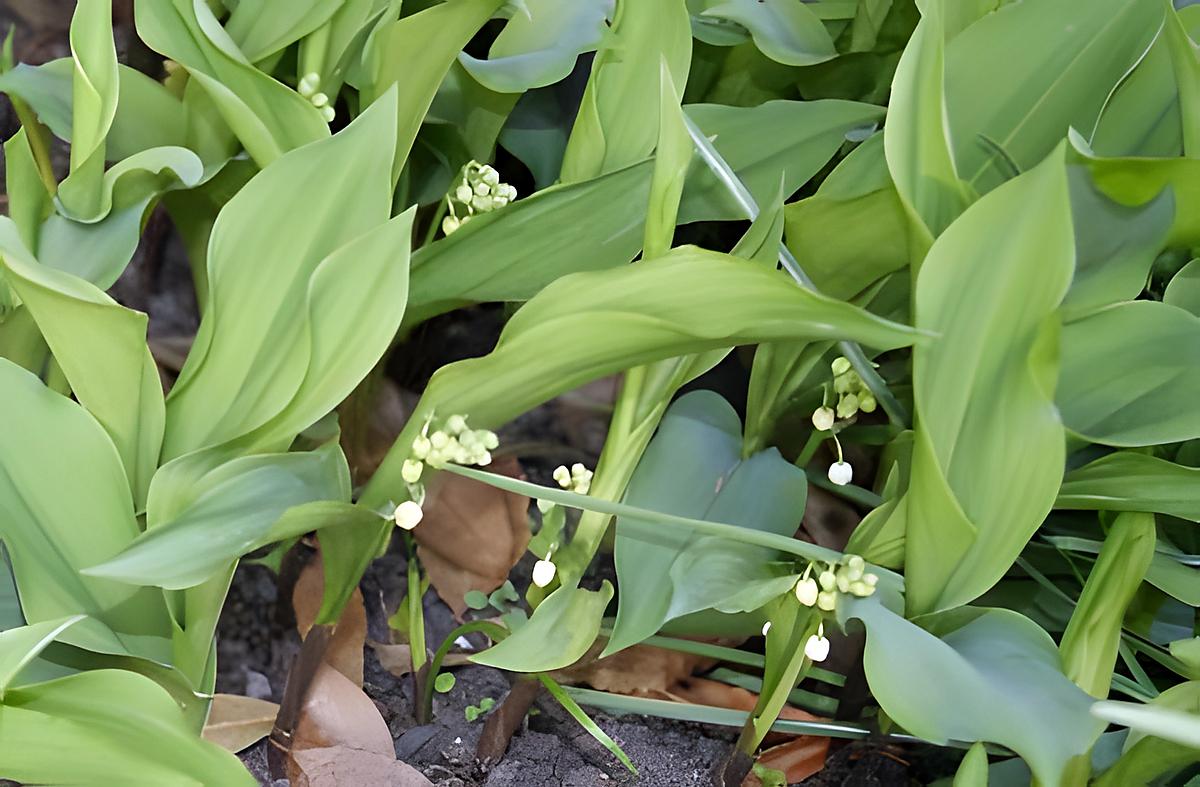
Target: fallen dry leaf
column 798, row 758
column 472, row 534
column 641, row 668
column 397, row 659
column 340, row 766
column 234, row 722
column 703, row 691
column 337, row 714
column 345, row 653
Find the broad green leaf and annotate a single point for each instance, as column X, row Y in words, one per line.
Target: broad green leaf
column 1089, row 645
column 989, row 288
column 539, row 45
column 28, row 201
column 973, row 770
column 557, row 635
column 672, row 155
column 787, row 32
column 265, row 499
column 973, row 674
column 795, row 138
column 1115, row 245
column 414, row 54
column 261, row 28
column 1157, row 348
column 101, row 347
column 618, row 121
column 107, row 727
column 94, row 102
column 1067, row 80
column 917, row 139
column 1186, row 68
column 587, row 325
column 21, row 645
column 343, row 531
column 267, row 116
column 1184, row 288
column 1130, row 481
column 64, row 505
column 293, row 228
column 1069, row 63
column 694, row 468
column 1170, row 571
column 852, row 231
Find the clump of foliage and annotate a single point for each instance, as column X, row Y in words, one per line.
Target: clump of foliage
column 958, row 236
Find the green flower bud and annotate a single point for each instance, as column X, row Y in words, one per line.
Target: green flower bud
column 450, row 224
column 456, row 424
column 867, row 403
column 847, row 406
column 840, row 366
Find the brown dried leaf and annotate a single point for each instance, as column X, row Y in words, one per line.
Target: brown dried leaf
column 638, row 669
column 798, row 758
column 703, row 691
column 340, row 766
column 235, row 723
column 345, row 653
column 397, row 659
column 472, row 534
column 338, row 713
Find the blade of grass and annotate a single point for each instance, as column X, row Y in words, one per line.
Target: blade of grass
column 817, row 703
column 585, row 721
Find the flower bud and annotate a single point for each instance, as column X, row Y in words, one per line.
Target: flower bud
column 861, row 589
column 309, row 84
column 563, row 476
column 855, row 567
column 410, row 471
column 420, row 447
column 328, row 113
column 489, row 439
column 489, row 175
column 439, row 440
column 867, row 403
column 483, row 458
column 841, row 473
column 807, row 591
column 545, row 506
column 766, row 627
column 408, row 515
column 450, row 224
column 463, row 193
column 827, row 600
column 843, row 582
column 822, row 419
column 456, row 424
column 816, row 648
column 319, row 100
column 828, row 580
column 543, row 573
column 481, row 204
column 847, row 406
column 840, row 366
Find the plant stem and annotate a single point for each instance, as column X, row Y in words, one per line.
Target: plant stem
column 438, row 215
column 416, row 611
column 493, row 630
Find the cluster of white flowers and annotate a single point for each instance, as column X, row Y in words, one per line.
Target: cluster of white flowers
column 853, row 394
column 849, row 576
column 478, row 190
column 309, row 87
column 577, row 479
column 453, row 442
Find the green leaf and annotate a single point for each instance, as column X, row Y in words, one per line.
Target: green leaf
column 23, row 644
column 444, row 682
column 262, row 28
column 607, row 135
column 977, row 675
column 1184, row 288
column 557, row 635
column 587, row 325
column 259, row 500
column 787, row 32
column 1146, row 757
column 693, row 467
column 101, row 347
column 120, row 727
column 539, row 46
column 1069, row 64
column 917, row 140
column 672, row 155
column 1186, row 68
column 414, row 54
column 989, row 288
column 28, row 201
column 1169, row 724
column 94, row 102
column 1130, row 481
column 285, row 260
column 593, row 729
column 1089, row 645
column 268, row 117
column 852, row 232
column 64, row 505
column 349, row 537
column 973, row 770
column 1115, row 245
column 1157, row 347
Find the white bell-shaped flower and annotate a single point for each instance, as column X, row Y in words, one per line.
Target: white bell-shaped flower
column 807, row 591
column 410, row 471
column 817, row 647
column 408, row 515
column 543, row 573
column 841, row 473
column 822, row 419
